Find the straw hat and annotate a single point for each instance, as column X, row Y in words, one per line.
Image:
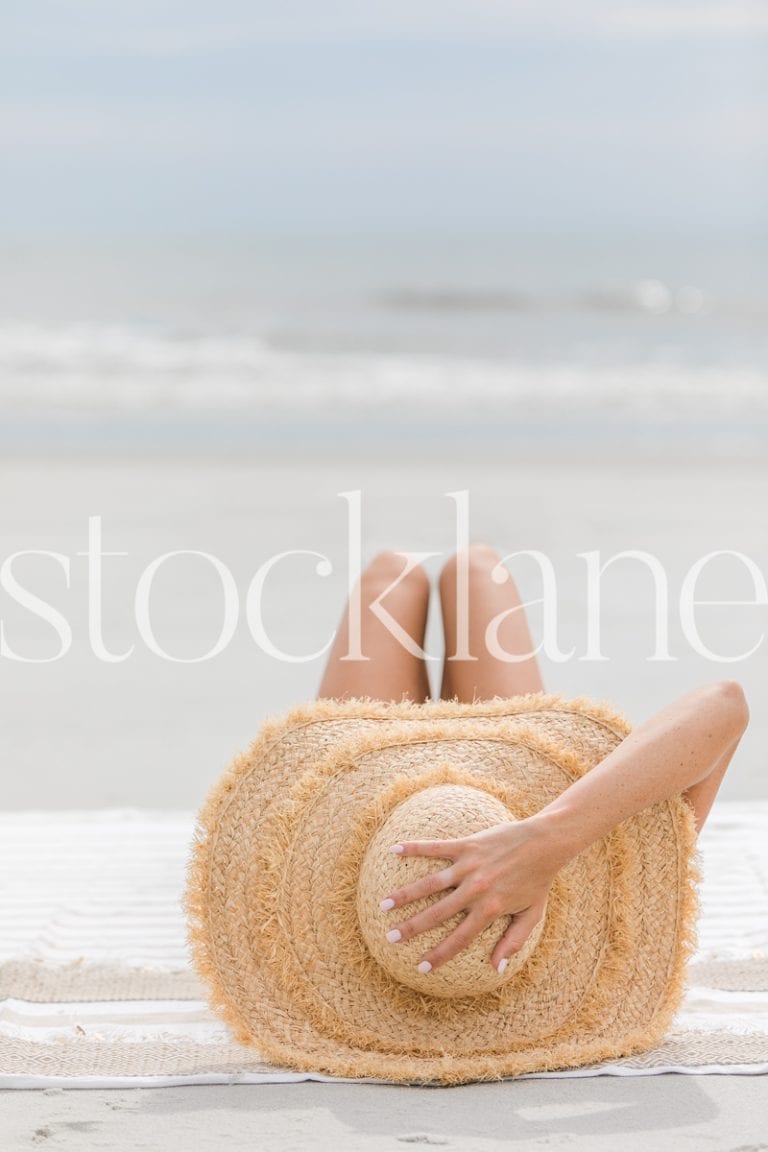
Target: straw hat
column 289, row 865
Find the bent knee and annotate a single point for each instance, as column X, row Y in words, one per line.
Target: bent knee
column 387, row 568
column 477, row 558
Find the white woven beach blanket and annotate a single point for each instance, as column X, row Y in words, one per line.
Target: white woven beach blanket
column 96, row 988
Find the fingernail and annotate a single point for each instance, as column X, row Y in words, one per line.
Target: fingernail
column 502, row 966
column 397, row 848
column 394, row 935
column 387, row 904
column 424, row 967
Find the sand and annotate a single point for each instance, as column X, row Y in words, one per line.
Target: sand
column 596, row 1114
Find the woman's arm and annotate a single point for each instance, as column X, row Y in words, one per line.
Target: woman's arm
column 672, row 752
column 509, row 869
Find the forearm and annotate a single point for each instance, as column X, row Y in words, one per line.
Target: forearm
column 674, row 749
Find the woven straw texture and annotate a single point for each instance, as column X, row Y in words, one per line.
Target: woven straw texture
column 272, row 895
column 456, row 811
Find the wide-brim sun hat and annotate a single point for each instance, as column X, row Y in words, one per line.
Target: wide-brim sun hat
column 289, row 864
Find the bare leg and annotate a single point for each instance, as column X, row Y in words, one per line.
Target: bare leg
column 486, row 675
column 391, row 672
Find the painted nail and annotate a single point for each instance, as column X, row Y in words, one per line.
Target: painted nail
column 502, row 966
column 424, row 967
column 387, row 904
column 394, row 935
column 396, row 848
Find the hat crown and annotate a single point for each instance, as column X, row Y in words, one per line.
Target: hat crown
column 440, row 812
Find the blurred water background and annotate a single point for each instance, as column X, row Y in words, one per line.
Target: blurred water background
column 518, row 227
column 608, row 344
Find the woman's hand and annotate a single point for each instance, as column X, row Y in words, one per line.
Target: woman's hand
column 504, row 870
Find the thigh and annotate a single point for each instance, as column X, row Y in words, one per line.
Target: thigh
column 468, row 589
column 389, row 671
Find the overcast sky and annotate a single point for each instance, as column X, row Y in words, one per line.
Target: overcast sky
column 321, row 116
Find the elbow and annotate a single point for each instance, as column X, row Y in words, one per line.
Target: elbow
column 729, row 698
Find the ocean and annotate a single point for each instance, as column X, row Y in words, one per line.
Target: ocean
column 649, row 345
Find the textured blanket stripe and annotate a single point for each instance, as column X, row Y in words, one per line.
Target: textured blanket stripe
column 96, row 987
